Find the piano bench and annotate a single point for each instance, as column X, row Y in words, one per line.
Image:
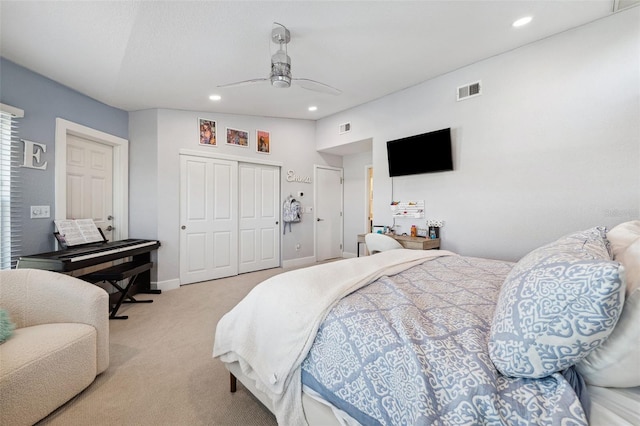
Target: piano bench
column 116, row 273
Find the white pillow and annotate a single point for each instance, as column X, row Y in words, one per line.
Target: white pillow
column 630, row 259
column 617, row 362
column 622, row 236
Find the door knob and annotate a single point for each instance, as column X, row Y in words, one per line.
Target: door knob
column 109, row 217
column 277, row 222
column 318, row 219
column 110, row 228
column 183, row 227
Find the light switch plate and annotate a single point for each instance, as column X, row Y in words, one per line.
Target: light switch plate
column 40, row 212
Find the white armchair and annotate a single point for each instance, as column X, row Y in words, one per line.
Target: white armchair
column 59, row 345
column 380, row 242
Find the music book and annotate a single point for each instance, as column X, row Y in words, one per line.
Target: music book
column 73, row 232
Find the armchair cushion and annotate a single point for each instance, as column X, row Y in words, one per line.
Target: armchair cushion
column 33, row 297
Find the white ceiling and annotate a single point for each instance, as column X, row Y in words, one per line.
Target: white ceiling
column 136, row 55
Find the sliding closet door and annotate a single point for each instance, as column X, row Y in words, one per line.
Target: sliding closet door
column 208, row 219
column 259, row 212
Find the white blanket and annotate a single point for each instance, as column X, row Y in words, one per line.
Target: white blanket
column 272, row 329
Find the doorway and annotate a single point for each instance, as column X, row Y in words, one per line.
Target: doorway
column 69, row 137
column 369, row 199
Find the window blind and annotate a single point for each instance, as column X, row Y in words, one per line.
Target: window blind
column 10, row 187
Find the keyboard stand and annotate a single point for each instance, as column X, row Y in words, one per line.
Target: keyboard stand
column 112, row 275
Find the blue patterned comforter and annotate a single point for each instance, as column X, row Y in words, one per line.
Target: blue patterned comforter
column 411, row 349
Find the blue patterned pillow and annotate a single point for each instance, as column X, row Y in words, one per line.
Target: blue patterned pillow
column 558, row 303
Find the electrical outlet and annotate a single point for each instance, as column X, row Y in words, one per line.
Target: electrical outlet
column 40, row 212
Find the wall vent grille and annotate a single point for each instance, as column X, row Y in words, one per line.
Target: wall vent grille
column 469, row 91
column 345, row 128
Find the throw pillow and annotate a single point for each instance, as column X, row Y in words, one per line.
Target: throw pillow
column 6, row 326
column 558, row 304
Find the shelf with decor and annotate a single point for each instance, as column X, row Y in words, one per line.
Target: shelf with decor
column 413, row 209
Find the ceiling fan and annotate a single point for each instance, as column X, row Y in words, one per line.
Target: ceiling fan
column 280, row 75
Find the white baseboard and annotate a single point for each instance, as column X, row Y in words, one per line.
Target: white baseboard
column 297, row 263
column 166, row 285
column 348, row 255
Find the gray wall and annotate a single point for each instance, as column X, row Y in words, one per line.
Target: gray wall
column 44, row 100
column 552, row 145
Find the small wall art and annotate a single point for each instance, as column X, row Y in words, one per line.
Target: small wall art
column 207, row 132
column 263, row 142
column 237, row 137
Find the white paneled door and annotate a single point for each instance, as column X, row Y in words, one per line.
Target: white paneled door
column 208, row 219
column 329, row 217
column 90, row 182
column 259, row 213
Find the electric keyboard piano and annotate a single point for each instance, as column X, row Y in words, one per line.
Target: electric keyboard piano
column 74, row 258
column 93, row 254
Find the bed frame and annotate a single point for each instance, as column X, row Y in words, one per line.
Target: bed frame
column 602, row 411
column 317, row 413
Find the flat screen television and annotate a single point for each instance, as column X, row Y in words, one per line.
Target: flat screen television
column 424, row 153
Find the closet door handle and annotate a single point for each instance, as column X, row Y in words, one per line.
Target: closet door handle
column 318, row 220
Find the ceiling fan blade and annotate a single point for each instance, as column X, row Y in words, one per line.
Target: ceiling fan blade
column 316, row 86
column 244, row 83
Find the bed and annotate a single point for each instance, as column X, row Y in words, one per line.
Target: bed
column 431, row 337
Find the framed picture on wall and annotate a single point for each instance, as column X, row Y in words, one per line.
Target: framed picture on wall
column 237, row 137
column 263, row 142
column 207, row 130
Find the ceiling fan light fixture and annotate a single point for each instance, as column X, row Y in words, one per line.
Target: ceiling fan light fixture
column 281, row 81
column 280, row 75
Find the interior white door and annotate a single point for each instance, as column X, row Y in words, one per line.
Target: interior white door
column 329, row 223
column 259, row 216
column 90, row 182
column 209, row 219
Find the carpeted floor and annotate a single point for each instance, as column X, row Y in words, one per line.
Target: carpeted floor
column 161, row 371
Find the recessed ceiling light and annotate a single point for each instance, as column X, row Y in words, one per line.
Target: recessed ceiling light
column 215, row 97
column 313, row 108
column 522, row 21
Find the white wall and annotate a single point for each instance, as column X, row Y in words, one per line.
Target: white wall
column 159, row 135
column 552, row 145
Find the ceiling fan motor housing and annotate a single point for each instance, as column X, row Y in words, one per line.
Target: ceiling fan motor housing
column 280, row 69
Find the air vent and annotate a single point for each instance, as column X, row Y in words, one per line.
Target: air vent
column 469, row 90
column 345, row 128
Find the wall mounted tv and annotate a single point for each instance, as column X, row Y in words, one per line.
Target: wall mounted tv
column 424, row 153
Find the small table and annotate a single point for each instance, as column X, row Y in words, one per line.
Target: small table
column 408, row 242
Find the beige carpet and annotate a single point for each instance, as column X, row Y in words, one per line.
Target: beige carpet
column 161, row 370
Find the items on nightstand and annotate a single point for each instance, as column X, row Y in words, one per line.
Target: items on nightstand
column 434, row 227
